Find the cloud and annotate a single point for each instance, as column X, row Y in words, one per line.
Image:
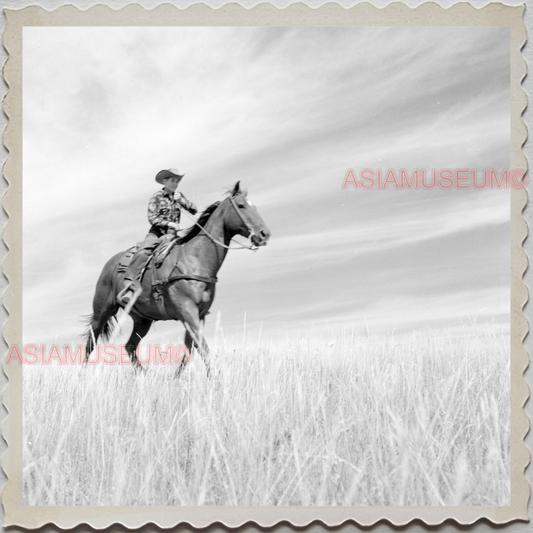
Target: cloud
column 287, row 111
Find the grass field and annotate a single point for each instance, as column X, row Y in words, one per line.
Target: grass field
column 417, row 419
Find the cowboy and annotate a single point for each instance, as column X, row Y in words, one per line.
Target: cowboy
column 164, row 213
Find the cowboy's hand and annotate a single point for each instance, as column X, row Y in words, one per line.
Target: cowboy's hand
column 192, row 209
column 173, row 225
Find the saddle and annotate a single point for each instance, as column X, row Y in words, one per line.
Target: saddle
column 158, row 283
column 125, row 259
column 158, row 256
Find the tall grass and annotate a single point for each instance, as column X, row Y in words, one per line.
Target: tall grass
column 418, row 419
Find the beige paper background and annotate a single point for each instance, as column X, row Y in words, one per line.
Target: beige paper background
column 264, row 15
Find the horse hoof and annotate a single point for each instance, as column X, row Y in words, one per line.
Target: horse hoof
column 179, row 371
column 139, row 368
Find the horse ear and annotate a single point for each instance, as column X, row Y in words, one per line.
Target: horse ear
column 236, row 189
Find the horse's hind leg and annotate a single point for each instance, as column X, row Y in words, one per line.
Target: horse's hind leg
column 141, row 326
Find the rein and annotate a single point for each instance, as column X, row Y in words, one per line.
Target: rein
column 252, row 246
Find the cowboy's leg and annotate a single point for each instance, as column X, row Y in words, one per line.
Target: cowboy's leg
column 141, row 256
column 133, row 272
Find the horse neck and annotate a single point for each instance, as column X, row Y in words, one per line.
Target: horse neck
column 212, row 255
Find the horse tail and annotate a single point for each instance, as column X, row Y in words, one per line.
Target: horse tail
column 109, row 327
column 92, row 334
column 102, row 321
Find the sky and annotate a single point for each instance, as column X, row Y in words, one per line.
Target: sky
column 287, row 112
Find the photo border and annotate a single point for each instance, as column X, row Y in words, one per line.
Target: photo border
column 396, row 14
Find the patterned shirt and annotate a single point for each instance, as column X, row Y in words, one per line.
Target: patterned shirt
column 164, row 208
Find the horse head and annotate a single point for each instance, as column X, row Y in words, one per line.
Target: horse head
column 243, row 218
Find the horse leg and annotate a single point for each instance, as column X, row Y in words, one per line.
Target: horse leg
column 189, row 344
column 141, row 326
column 194, row 339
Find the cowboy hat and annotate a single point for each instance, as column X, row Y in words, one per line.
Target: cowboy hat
column 170, row 173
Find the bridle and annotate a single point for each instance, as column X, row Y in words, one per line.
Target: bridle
column 244, row 221
column 251, row 230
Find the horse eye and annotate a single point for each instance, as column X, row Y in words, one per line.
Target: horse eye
column 241, row 206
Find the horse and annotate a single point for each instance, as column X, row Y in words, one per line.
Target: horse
column 183, row 287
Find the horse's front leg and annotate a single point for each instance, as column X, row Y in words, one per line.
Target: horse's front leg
column 194, row 339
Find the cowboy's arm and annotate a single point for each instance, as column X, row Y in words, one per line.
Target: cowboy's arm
column 186, row 204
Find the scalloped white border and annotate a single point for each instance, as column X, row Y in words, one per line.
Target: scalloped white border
column 462, row 14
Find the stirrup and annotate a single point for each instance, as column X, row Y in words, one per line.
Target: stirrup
column 135, row 294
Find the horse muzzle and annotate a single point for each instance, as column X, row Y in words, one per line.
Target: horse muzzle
column 261, row 238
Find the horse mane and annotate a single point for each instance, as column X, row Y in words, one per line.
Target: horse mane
column 204, row 217
column 233, row 193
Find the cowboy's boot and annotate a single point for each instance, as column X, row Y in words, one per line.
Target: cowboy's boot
column 132, row 287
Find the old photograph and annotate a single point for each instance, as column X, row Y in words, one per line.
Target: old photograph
column 266, row 266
